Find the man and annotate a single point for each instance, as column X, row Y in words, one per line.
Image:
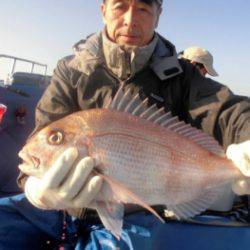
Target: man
column 127, row 50
column 201, row 58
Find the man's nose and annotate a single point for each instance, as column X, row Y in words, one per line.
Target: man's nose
column 130, row 17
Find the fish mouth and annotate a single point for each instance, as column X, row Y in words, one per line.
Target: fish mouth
column 29, row 159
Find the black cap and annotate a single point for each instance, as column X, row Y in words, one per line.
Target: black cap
column 159, row 2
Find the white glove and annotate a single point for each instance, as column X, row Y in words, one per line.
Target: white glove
column 65, row 185
column 240, row 155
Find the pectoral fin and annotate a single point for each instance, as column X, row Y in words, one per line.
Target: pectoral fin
column 110, row 205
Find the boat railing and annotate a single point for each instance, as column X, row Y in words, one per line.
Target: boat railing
column 33, row 63
column 9, row 79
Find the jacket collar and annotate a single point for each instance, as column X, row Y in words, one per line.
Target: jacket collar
column 89, row 54
column 126, row 61
column 164, row 62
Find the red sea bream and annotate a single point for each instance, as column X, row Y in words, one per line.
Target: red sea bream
column 146, row 157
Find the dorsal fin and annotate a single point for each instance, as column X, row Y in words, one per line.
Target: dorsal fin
column 125, row 101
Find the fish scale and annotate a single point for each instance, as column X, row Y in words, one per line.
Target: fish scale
column 122, row 159
column 133, row 160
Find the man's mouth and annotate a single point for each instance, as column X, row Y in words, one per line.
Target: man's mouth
column 129, row 36
column 129, row 39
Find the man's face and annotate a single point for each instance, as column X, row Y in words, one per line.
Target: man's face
column 200, row 67
column 130, row 22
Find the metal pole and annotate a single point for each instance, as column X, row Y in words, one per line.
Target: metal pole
column 13, row 66
column 45, row 73
column 22, row 59
column 32, row 68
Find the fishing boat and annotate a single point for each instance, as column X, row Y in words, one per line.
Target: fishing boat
column 19, row 92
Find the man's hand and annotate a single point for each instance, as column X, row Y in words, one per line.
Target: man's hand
column 240, row 155
column 65, row 185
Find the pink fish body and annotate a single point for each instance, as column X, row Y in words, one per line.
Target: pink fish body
column 146, row 157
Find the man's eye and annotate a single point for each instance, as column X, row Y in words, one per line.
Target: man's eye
column 143, row 10
column 119, row 6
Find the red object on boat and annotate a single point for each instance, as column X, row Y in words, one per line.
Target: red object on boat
column 3, row 109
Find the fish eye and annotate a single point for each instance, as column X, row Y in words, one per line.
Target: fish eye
column 56, row 138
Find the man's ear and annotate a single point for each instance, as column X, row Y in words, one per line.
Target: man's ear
column 103, row 10
column 159, row 11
